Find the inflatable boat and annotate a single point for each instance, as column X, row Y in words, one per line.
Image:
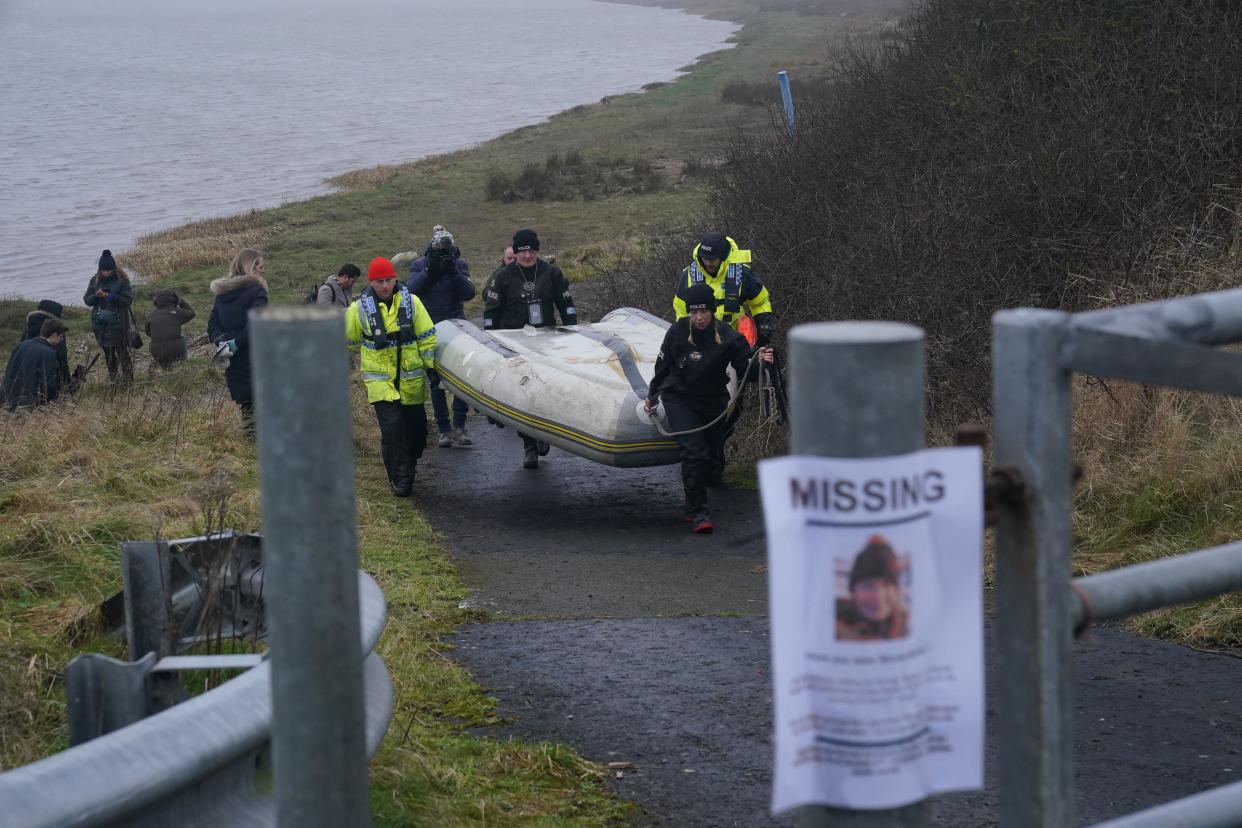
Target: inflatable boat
column 578, row 388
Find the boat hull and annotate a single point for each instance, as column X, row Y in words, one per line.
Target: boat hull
column 577, row 388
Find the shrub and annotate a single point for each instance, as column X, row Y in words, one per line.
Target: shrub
column 990, row 156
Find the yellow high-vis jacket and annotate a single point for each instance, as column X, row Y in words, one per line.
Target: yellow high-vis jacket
column 407, row 331
column 736, row 287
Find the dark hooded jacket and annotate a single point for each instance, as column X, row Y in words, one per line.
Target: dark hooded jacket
column 34, row 322
column 235, row 296
column 110, row 315
column 30, row 378
column 442, row 283
column 164, row 327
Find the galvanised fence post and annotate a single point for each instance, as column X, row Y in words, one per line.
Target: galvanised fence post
column 1031, row 411
column 310, row 551
column 856, row 390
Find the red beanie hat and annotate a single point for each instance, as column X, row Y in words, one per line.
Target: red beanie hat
column 380, row 268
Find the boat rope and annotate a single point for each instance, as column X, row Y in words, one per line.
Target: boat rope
column 733, row 398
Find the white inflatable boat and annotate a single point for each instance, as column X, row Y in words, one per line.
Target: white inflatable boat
column 577, row 388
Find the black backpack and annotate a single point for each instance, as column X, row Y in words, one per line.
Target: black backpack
column 312, row 295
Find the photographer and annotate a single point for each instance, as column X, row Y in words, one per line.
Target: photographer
column 440, row 278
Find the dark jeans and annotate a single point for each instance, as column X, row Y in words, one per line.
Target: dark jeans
column 439, row 405
column 120, row 362
column 698, row 450
column 403, row 435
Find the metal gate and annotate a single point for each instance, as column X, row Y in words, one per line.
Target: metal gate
column 1035, row 355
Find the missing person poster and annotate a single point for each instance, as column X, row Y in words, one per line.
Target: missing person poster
column 875, row 593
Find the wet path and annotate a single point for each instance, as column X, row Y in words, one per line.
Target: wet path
column 623, row 634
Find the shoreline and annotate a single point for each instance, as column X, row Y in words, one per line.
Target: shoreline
column 484, row 112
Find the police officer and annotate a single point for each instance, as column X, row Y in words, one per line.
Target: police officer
column 529, row 291
column 719, row 264
column 394, row 332
column 691, row 380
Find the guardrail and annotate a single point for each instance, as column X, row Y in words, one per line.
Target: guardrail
column 1035, row 354
column 285, row 742
column 203, row 762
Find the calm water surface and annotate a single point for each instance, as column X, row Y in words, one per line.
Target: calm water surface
column 120, row 118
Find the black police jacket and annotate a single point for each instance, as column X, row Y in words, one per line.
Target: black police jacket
column 694, row 366
column 512, row 290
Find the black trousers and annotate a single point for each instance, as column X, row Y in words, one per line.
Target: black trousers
column 698, row 450
column 120, row 362
column 403, row 436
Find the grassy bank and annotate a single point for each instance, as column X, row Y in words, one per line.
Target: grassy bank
column 165, row 459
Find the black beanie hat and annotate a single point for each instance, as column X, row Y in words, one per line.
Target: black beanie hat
column 714, row 246
column 106, row 262
column 48, row 306
column 700, row 297
column 525, row 240
column 877, row 560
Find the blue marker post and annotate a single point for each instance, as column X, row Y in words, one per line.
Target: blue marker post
column 787, row 97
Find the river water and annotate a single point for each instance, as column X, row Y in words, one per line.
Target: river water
column 124, row 117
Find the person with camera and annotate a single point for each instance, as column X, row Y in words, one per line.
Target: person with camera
column 528, row 292
column 110, row 297
column 440, row 278
column 168, row 345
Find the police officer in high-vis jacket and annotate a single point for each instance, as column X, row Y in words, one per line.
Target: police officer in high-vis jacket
column 528, row 291
column 719, row 264
column 394, row 332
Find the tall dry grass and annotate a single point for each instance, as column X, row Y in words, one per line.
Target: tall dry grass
column 77, row 478
column 369, row 178
column 209, row 243
column 1162, row 476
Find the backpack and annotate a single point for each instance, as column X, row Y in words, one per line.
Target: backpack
column 312, row 295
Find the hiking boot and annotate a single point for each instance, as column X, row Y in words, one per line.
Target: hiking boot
column 543, row 447
column 701, row 524
column 461, row 438
column 531, row 460
column 403, row 489
column 445, row 441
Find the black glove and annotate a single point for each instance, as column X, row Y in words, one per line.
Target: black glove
column 764, row 325
column 433, row 377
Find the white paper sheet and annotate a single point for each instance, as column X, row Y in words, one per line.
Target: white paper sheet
column 875, row 598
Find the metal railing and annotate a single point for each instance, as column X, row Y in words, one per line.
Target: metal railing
column 285, row 743
column 203, row 762
column 1035, row 354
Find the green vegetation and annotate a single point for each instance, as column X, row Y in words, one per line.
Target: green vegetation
column 78, row 478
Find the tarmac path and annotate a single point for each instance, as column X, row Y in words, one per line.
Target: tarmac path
column 621, row 633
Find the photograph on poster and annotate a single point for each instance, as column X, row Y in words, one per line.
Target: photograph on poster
column 873, row 593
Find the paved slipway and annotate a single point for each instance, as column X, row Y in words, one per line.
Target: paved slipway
column 619, row 632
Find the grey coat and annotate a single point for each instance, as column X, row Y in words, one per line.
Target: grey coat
column 332, row 294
